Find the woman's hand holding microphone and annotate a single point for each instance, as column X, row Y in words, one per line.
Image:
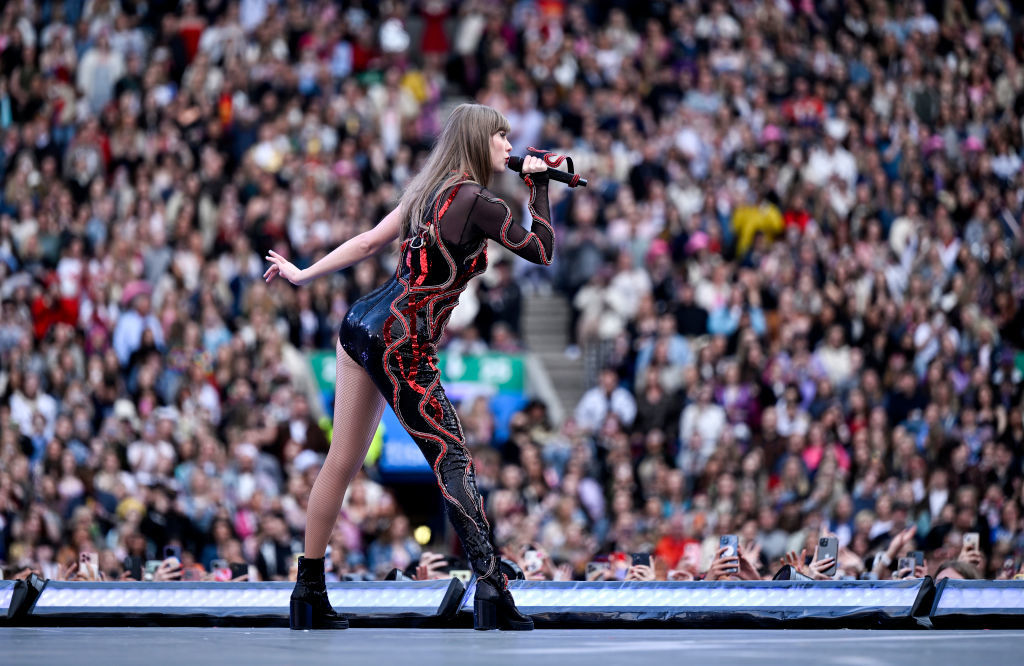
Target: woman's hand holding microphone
column 533, row 165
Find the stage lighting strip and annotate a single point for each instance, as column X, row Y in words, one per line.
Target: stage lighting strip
column 178, row 597
column 6, row 594
column 698, row 595
column 1004, row 598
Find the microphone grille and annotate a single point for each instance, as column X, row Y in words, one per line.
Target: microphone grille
column 515, row 163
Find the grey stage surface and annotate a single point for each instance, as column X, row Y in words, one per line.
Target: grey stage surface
column 200, row 646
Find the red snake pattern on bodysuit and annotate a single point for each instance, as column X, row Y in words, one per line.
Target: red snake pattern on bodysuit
column 393, row 333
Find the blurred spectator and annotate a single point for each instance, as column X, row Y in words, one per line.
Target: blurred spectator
column 394, row 549
column 607, row 398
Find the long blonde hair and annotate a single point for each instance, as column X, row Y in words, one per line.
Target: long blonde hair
column 463, row 147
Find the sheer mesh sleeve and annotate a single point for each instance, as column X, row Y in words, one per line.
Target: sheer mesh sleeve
column 486, row 214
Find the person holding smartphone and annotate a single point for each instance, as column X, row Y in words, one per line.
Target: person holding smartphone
column 89, row 566
column 970, row 551
column 826, row 556
column 641, row 567
column 824, row 564
column 729, row 562
column 887, row 561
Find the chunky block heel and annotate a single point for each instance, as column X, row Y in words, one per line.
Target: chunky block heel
column 309, row 607
column 301, row 615
column 494, row 607
column 485, row 615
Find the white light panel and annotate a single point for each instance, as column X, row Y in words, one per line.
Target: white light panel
column 247, row 598
column 967, row 595
column 614, row 595
column 6, row 594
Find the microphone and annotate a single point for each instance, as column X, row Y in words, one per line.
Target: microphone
column 515, row 163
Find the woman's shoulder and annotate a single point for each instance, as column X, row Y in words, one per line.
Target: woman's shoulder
column 471, row 188
column 471, row 195
column 462, row 191
column 482, row 193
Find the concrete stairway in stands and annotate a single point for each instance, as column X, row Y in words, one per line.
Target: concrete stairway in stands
column 545, row 332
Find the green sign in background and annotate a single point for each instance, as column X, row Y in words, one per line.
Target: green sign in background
column 505, row 372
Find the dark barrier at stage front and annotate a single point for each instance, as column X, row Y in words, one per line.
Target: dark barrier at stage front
column 378, row 603
column 988, row 604
column 723, row 603
column 16, row 596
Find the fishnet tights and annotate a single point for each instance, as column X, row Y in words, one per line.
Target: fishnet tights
column 358, row 406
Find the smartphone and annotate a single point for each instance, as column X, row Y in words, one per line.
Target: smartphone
column 150, row 569
column 532, row 561
column 133, row 565
column 89, row 563
column 905, row 564
column 172, row 551
column 594, row 567
column 918, row 556
column 972, row 541
column 829, row 547
column 239, row 569
column 641, row 558
column 732, row 545
column 462, row 574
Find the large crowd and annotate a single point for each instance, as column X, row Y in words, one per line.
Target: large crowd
column 796, row 279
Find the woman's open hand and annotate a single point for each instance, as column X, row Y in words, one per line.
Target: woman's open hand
column 431, row 566
column 286, row 269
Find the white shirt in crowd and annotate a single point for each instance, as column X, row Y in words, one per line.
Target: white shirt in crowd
column 23, row 408
column 836, row 361
column 595, row 404
column 822, row 165
column 707, row 420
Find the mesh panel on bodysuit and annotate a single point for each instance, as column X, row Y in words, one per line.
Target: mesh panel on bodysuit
column 476, row 211
column 358, row 406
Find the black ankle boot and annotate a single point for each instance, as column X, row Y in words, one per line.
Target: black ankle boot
column 310, row 608
column 494, row 608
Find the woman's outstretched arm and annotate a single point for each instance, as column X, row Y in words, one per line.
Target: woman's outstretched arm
column 350, row 252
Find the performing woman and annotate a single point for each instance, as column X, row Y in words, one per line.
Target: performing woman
column 387, row 347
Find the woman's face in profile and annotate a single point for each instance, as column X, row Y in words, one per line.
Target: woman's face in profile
column 500, row 149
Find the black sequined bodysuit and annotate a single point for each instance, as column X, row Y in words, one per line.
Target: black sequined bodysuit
column 393, row 332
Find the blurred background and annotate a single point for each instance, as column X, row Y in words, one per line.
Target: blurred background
column 788, row 305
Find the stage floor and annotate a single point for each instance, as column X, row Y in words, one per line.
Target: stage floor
column 423, row 647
